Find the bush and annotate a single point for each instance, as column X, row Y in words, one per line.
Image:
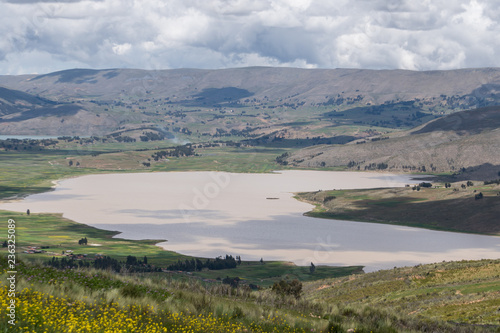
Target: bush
column 292, row 288
column 335, row 328
column 131, row 290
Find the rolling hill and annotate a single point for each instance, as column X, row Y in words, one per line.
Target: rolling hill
column 465, row 143
column 296, row 103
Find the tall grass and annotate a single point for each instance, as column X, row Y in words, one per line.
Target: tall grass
column 177, row 303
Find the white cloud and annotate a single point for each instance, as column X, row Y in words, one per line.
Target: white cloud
column 121, row 49
column 154, row 34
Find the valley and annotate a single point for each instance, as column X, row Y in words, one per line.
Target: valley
column 442, row 125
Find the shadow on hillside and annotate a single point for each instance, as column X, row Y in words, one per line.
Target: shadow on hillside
column 56, row 111
column 277, row 142
column 217, row 97
column 471, row 121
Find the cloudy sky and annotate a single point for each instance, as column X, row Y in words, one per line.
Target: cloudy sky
column 40, row 36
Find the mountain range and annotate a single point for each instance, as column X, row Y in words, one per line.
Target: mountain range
column 69, row 101
column 439, row 121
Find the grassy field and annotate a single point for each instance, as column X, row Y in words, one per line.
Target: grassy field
column 26, row 172
column 446, row 297
column 439, row 208
column 270, row 272
column 460, row 292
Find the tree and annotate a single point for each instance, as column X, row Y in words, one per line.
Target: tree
column 4, row 244
column 131, row 260
column 145, row 260
column 312, row 268
column 70, row 163
column 28, row 212
column 261, row 261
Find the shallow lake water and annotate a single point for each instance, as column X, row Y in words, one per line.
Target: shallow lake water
column 252, row 215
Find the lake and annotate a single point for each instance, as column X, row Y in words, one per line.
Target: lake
column 252, row 215
column 22, row 137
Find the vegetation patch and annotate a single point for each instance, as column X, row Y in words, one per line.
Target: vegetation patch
column 460, row 206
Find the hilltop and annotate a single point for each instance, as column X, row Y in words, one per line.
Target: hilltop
column 282, row 103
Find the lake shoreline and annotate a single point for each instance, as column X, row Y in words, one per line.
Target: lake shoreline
column 436, row 208
column 277, row 235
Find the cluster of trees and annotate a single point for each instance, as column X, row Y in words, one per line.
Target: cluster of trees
column 125, row 138
column 150, row 136
column 68, row 262
column 495, row 181
column 179, row 151
column 211, row 264
column 376, row 166
column 414, row 168
column 183, row 130
column 282, row 159
column 26, row 144
column 104, row 263
column 352, row 164
column 380, row 138
column 423, row 184
column 83, row 241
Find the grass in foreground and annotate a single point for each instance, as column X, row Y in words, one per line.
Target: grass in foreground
column 445, row 297
column 461, row 292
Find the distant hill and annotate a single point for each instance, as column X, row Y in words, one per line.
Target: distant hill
column 466, row 143
column 247, row 102
column 309, row 85
column 20, row 111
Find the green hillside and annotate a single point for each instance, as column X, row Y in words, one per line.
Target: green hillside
column 444, row 297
